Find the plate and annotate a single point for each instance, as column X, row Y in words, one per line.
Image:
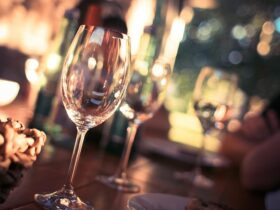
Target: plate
column 157, row 201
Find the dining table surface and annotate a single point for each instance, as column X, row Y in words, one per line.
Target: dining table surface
column 154, row 173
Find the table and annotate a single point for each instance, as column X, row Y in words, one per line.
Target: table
column 153, row 173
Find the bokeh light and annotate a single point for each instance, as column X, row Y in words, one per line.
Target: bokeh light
column 263, row 48
column 238, row 32
column 268, row 28
column 235, row 57
column 250, row 30
column 277, row 24
column 204, row 31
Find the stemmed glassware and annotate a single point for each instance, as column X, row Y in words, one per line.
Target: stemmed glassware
column 93, row 83
column 212, row 100
column 145, row 94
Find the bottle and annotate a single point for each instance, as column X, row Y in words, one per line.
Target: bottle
column 115, row 129
column 58, row 126
column 90, row 12
column 52, row 66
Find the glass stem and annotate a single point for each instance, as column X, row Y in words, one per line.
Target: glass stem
column 131, row 132
column 68, row 187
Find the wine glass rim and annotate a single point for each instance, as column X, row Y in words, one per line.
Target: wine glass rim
column 91, row 27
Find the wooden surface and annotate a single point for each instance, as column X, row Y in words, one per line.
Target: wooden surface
column 154, row 174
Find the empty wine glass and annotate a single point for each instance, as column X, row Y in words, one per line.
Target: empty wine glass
column 93, row 84
column 145, row 94
column 212, row 98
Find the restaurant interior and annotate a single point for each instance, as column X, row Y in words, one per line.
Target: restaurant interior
column 174, row 104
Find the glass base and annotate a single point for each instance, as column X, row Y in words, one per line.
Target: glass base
column 197, row 179
column 121, row 184
column 61, row 200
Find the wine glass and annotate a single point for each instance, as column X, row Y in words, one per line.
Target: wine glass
column 212, row 101
column 145, row 94
column 93, row 83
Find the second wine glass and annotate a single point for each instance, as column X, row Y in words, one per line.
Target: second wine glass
column 145, row 94
column 212, row 101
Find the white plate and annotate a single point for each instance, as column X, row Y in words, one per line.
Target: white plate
column 157, row 201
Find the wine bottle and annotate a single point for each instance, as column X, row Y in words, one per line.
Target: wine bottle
column 51, row 65
column 58, row 126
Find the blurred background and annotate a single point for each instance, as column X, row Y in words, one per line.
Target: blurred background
column 240, row 36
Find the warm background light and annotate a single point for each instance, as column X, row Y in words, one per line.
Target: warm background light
column 8, row 91
column 140, row 14
column 186, row 129
column 31, row 70
column 30, row 29
column 204, row 4
column 263, row 48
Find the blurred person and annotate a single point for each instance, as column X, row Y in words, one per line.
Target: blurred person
column 255, row 148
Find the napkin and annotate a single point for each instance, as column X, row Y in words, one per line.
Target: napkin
column 272, row 200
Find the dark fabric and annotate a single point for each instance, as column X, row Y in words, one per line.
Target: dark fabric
column 274, row 105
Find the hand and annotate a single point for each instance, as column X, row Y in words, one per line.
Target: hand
column 259, row 127
column 235, row 147
column 272, row 121
column 254, row 130
column 261, row 167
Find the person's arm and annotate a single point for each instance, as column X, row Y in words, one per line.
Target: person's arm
column 234, row 146
column 259, row 127
column 253, row 131
column 261, row 167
